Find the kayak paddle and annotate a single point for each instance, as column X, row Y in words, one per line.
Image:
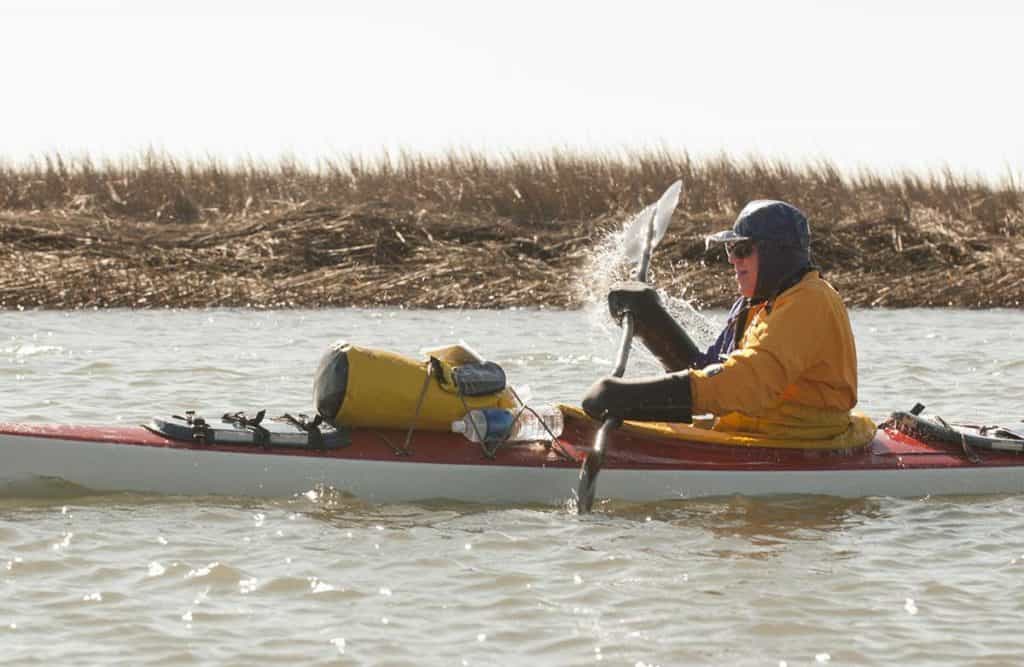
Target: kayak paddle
column 643, row 233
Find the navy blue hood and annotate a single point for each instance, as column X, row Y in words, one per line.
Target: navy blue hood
column 783, row 239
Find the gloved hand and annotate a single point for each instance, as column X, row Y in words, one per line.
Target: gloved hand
column 634, row 297
column 665, row 398
column 653, row 325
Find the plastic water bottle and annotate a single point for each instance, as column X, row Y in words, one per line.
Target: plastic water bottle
column 537, row 422
column 494, row 423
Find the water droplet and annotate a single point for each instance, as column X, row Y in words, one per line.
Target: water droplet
column 910, row 606
column 822, row 658
column 155, row 569
column 64, row 543
column 318, row 586
column 481, row 637
column 385, row 591
column 201, row 572
column 339, row 643
column 577, row 579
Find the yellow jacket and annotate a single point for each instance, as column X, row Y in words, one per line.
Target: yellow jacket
column 794, row 372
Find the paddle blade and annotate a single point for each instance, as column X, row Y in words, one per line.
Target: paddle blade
column 665, row 207
column 636, row 229
column 636, row 234
column 588, row 483
column 592, row 466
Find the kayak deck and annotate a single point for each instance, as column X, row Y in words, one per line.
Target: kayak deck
column 890, row 449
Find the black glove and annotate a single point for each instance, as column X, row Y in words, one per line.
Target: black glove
column 666, row 398
column 655, row 328
column 633, row 297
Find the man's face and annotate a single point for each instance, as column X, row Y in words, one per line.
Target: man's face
column 743, row 257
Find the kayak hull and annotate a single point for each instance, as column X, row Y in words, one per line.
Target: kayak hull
column 375, row 468
column 194, row 471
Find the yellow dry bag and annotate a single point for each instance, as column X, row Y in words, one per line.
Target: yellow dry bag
column 362, row 387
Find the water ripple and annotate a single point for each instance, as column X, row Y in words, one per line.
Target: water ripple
column 324, row 578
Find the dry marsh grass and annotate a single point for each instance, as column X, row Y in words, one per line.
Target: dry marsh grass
column 468, row 230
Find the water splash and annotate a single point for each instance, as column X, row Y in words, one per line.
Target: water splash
column 702, row 329
column 609, row 264
column 605, row 266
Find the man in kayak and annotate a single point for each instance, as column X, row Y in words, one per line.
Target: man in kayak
column 785, row 364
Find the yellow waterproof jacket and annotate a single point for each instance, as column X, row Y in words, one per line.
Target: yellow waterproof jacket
column 794, row 372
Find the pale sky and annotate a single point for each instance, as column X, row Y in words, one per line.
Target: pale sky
column 879, row 84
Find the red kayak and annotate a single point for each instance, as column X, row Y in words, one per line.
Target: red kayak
column 908, row 456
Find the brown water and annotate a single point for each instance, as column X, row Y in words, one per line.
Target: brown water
column 325, row 579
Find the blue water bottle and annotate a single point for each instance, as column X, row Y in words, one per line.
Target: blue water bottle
column 491, row 423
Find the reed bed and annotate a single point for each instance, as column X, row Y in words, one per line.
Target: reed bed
column 467, row 230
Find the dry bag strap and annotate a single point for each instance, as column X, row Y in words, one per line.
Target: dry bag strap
column 433, row 369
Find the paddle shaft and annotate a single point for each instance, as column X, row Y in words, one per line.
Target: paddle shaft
column 595, row 459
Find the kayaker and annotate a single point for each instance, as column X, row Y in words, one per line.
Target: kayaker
column 785, row 363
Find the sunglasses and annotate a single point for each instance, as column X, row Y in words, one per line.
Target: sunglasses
column 739, row 249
